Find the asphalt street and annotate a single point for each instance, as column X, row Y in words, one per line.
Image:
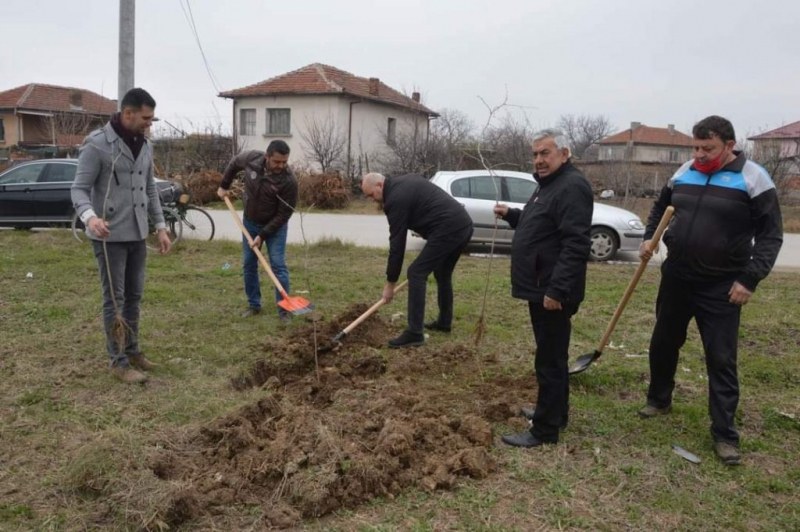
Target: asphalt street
column 372, row 230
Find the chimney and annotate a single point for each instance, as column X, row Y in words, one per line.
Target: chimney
column 76, row 100
column 671, row 128
column 635, row 125
column 373, row 86
column 415, row 96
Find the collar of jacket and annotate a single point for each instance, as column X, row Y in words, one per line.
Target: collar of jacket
column 544, row 181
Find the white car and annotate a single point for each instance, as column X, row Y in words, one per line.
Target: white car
column 613, row 229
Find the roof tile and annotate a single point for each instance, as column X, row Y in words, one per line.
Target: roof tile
column 650, row 135
column 789, row 131
column 317, row 78
column 40, row 97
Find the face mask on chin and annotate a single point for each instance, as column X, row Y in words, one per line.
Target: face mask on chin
column 710, row 166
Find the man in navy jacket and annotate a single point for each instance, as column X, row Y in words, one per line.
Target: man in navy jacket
column 548, row 269
column 722, row 241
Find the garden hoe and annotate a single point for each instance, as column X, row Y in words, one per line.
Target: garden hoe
column 584, row 361
column 295, row 304
column 336, row 341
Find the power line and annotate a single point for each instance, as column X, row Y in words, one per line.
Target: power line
column 187, row 12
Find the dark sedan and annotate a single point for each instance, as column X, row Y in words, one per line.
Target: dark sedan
column 37, row 193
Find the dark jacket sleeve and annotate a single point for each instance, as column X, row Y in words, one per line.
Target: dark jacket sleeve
column 512, row 217
column 574, row 212
column 236, row 165
column 766, row 214
column 397, row 215
column 657, row 211
column 287, row 201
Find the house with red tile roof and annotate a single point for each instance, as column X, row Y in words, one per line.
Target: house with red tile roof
column 641, row 143
column 38, row 115
column 782, row 143
column 320, row 105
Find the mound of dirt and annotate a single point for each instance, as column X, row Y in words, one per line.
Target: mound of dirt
column 338, row 428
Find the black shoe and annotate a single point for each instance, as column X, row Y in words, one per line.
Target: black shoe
column 435, row 326
column 407, row 339
column 284, row 316
column 527, row 413
column 251, row 311
column 524, row 439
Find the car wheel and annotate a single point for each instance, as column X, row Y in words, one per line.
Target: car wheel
column 604, row 244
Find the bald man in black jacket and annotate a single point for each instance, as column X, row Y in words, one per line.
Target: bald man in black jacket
column 411, row 202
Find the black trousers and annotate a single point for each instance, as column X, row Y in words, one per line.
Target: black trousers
column 440, row 255
column 551, row 330
column 718, row 321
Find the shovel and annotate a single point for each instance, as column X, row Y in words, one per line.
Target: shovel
column 584, row 361
column 295, row 304
column 336, row 341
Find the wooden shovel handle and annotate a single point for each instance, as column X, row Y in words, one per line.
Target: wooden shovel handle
column 257, row 251
column 662, row 226
column 371, row 310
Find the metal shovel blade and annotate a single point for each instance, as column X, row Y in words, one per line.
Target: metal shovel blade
column 583, row 362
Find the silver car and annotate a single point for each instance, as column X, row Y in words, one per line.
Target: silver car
column 613, row 229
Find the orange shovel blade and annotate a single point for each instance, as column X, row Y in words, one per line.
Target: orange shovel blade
column 296, row 305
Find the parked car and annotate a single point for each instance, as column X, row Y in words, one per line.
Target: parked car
column 613, row 229
column 37, row 193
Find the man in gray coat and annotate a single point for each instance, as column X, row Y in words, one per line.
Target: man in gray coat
column 113, row 194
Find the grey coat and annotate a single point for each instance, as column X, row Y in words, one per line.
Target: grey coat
column 117, row 188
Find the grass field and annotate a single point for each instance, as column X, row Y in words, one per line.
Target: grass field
column 79, row 450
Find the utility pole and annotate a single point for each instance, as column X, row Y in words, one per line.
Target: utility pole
column 127, row 26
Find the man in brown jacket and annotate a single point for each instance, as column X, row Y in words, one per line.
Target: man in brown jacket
column 270, row 195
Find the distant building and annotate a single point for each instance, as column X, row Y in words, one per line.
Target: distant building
column 37, row 116
column 363, row 116
column 646, row 144
column 779, row 145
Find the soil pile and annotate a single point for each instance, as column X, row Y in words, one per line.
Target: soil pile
column 338, row 428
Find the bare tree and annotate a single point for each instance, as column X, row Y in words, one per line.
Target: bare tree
column 323, row 141
column 584, row 130
column 69, row 129
column 406, row 149
column 779, row 157
column 450, row 137
column 508, row 144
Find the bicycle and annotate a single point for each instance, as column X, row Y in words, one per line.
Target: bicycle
column 197, row 223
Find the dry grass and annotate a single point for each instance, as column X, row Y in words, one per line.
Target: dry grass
column 77, row 447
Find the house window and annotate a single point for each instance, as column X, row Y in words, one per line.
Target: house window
column 2, row 131
column 673, row 156
column 391, row 131
column 278, row 121
column 247, row 121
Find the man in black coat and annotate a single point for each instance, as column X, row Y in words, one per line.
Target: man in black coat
column 411, row 202
column 548, row 269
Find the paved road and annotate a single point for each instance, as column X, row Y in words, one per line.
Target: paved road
column 372, row 230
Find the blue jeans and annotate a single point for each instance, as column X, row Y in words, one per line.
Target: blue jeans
column 127, row 262
column 276, row 254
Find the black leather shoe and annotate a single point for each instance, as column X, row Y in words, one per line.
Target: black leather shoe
column 407, row 339
column 524, row 439
column 527, row 413
column 251, row 311
column 435, row 326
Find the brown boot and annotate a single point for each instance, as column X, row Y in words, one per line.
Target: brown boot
column 140, row 362
column 129, row 375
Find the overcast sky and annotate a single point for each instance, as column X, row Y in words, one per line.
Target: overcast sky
column 656, row 62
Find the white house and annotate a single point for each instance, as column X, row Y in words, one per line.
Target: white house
column 328, row 117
